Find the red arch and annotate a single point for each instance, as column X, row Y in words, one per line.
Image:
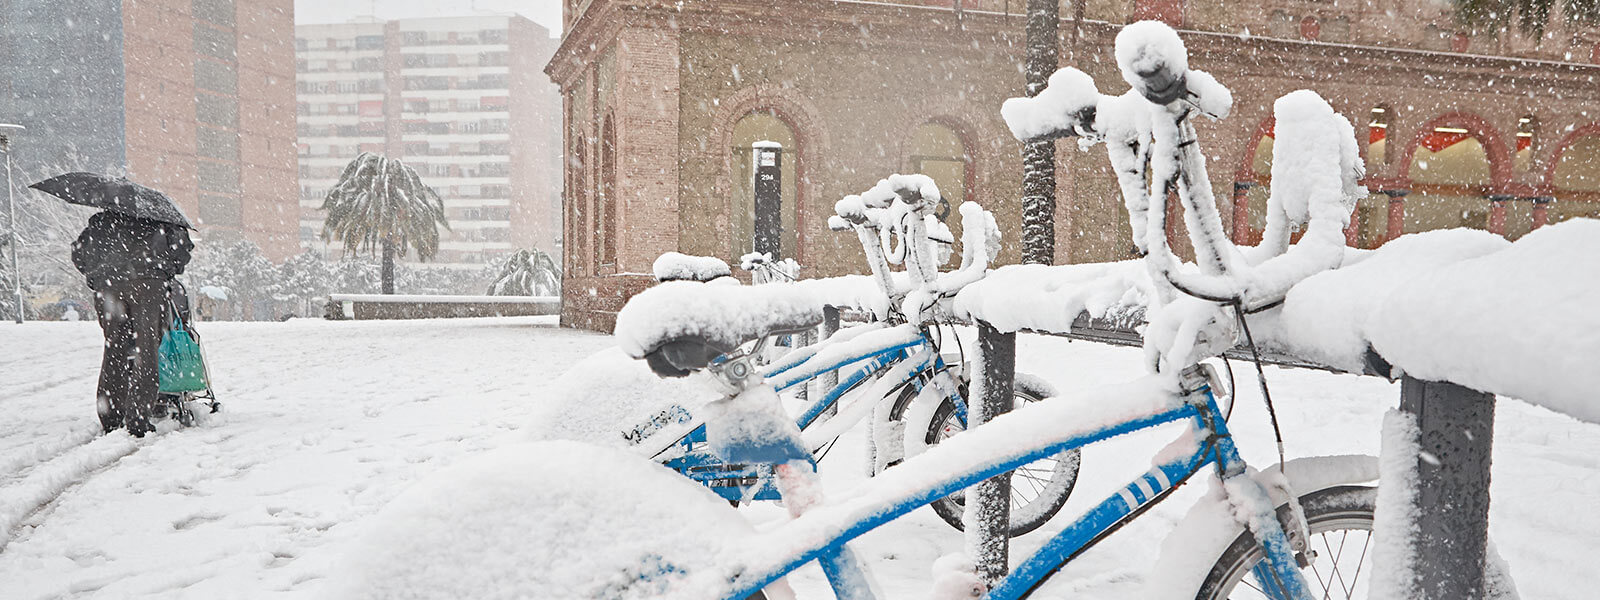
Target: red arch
column 1246, row 170
column 1592, row 129
column 1500, row 162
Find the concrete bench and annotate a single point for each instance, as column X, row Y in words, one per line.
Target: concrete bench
column 380, row 306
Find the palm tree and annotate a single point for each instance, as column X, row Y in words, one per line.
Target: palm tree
column 1531, row 15
column 379, row 202
column 1039, row 157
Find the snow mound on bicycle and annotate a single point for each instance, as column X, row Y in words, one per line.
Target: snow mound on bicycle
column 725, row 316
column 677, row 266
column 611, row 399
column 545, row 520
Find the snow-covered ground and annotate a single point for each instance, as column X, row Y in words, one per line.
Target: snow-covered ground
column 327, row 421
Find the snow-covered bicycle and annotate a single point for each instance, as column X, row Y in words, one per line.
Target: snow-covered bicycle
column 891, row 372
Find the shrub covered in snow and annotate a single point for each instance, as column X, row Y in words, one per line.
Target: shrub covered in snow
column 526, row 273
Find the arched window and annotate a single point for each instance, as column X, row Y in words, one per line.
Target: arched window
column 1450, row 177
column 778, row 142
column 578, row 201
column 1576, row 180
column 1255, row 192
column 940, row 153
column 607, row 202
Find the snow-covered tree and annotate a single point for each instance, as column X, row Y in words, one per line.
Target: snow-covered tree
column 354, row 276
column 379, row 203
column 238, row 267
column 304, row 279
column 1530, row 15
column 527, row 273
column 46, row 227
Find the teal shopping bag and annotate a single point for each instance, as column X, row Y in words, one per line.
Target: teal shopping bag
column 179, row 363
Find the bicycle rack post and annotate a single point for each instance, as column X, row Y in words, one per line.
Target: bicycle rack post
column 988, row 512
column 827, row 381
column 1449, row 541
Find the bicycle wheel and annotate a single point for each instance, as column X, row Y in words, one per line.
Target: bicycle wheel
column 1340, row 523
column 1038, row 489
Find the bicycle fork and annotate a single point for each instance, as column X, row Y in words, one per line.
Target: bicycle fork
column 1279, row 574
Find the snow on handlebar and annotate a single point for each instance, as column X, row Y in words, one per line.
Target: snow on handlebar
column 894, row 224
column 1152, row 145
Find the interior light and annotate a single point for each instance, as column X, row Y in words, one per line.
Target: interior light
column 1450, row 130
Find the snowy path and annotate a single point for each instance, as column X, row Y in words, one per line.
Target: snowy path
column 326, row 422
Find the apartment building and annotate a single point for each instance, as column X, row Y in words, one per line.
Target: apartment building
column 192, row 97
column 462, row 100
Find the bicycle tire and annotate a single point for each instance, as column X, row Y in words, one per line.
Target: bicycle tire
column 1345, row 510
column 1049, row 481
column 1351, row 507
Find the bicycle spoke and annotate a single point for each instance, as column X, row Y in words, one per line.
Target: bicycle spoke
column 1252, row 586
column 1320, row 581
column 1354, row 579
column 1337, row 554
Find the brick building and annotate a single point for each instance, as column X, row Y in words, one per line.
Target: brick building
column 193, row 97
column 462, row 100
column 662, row 101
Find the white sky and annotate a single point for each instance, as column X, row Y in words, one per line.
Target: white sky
column 543, row 12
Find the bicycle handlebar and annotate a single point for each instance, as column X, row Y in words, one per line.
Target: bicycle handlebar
column 1151, row 142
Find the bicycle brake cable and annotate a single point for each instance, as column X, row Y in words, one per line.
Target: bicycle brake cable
column 1261, row 378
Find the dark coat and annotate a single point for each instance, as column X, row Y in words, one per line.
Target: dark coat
column 116, row 248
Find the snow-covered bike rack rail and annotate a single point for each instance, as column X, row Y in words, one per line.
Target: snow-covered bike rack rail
column 1457, row 316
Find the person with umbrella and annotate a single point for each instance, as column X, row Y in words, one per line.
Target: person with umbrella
column 129, row 253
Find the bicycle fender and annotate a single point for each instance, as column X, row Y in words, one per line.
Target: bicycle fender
column 1210, row 525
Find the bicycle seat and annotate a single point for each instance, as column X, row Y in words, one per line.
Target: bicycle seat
column 681, row 326
column 677, row 357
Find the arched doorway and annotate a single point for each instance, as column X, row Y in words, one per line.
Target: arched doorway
column 767, row 128
column 942, row 154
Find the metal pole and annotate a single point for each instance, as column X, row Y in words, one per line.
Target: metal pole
column 988, row 513
column 1451, row 503
column 830, row 326
column 6, row 130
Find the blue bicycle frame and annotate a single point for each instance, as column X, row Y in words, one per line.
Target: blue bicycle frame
column 745, row 482
column 1279, row 575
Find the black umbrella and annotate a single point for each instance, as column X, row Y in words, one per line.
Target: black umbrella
column 115, row 194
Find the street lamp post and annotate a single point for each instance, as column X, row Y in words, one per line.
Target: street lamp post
column 6, row 131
